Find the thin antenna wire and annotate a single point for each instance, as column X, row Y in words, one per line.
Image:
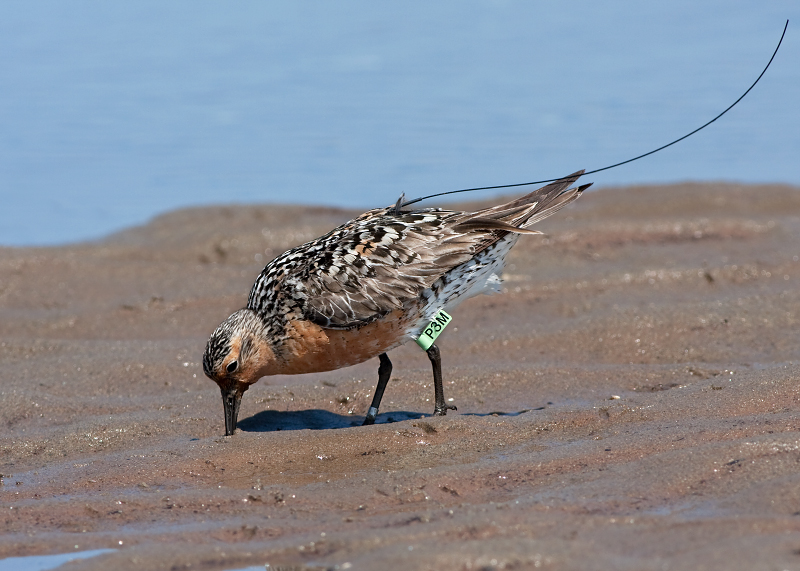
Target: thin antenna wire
column 732, row 105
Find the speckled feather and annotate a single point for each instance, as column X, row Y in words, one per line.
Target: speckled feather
column 378, row 262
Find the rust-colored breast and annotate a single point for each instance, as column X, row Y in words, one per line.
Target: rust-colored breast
column 313, row 349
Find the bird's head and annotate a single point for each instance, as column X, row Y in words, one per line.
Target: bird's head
column 237, row 355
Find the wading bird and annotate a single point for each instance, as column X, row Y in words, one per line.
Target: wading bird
column 368, row 286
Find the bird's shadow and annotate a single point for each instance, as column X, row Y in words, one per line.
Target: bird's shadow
column 315, row 419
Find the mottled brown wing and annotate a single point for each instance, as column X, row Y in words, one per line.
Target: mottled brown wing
column 385, row 258
column 376, row 264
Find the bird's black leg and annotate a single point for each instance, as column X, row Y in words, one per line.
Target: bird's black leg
column 384, row 372
column 440, row 408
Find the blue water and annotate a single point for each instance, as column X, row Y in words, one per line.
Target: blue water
column 45, row 562
column 113, row 112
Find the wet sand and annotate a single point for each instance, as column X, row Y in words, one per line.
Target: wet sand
column 630, row 401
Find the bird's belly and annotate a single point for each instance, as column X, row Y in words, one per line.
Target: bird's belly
column 313, row 349
column 479, row 275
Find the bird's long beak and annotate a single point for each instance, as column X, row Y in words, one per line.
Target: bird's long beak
column 231, row 399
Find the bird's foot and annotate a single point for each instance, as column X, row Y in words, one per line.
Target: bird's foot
column 442, row 410
column 370, row 418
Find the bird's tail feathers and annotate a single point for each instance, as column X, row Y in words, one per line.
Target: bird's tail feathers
column 516, row 216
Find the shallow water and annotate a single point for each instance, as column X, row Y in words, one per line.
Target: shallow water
column 46, row 562
column 111, row 115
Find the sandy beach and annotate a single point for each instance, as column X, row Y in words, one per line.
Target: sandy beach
column 629, row 401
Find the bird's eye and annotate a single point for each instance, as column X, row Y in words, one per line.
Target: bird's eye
column 232, row 366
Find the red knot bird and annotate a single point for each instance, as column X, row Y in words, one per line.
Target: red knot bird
column 368, row 286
